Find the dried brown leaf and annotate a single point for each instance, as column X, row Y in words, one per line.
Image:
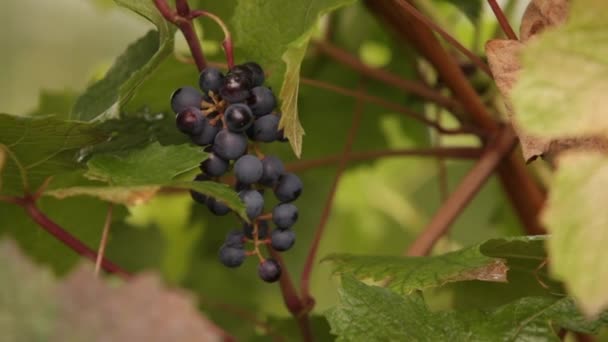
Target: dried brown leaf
column 504, row 63
column 541, row 14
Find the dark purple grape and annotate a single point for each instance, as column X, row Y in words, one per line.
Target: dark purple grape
column 229, row 145
column 285, row 215
column 216, row 207
column 288, row 188
column 261, row 101
column 232, row 256
column 186, row 97
column 197, row 196
column 254, row 202
column 269, row 270
column 190, row 121
column 272, row 168
column 257, row 73
column 211, row 79
column 262, row 230
column 238, row 117
column 207, row 134
column 248, row 169
column 266, row 128
column 214, row 166
column 237, row 84
column 235, row 238
column 282, row 239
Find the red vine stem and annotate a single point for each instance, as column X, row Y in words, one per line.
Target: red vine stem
column 472, row 56
column 297, row 306
column 312, row 253
column 464, row 193
column 502, row 20
column 187, row 29
column 29, row 204
column 227, row 43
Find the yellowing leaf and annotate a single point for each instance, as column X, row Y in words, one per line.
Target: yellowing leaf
column 577, row 218
column 561, row 92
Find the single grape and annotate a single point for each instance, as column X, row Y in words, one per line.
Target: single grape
column 257, row 74
column 216, row 207
column 272, row 169
column 262, row 230
column 186, row 97
column 211, row 79
column 269, row 270
column 197, row 196
column 190, row 121
column 282, row 239
column 266, row 128
column 207, row 134
column 288, row 188
column 214, row 166
column 235, row 238
column 237, row 83
column 261, row 101
column 254, row 202
column 238, row 117
column 232, row 256
column 285, row 215
column 248, row 169
column 229, row 145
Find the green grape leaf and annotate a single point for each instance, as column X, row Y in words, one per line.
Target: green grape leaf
column 105, row 98
column 41, row 147
column 557, row 66
column 150, row 165
column 370, row 313
column 134, row 176
column 276, row 36
column 488, row 261
column 83, row 307
column 577, row 220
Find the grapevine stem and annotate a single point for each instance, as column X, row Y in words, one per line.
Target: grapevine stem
column 472, row 56
column 464, row 193
column 227, row 43
column 386, row 104
column 312, row 253
column 502, row 20
column 185, row 26
column 347, row 59
column 297, row 306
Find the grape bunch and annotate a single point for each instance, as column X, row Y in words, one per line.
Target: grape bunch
column 229, row 117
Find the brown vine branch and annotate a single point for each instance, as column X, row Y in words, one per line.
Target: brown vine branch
column 524, row 193
column 314, row 246
column 464, row 193
column 483, row 66
column 386, row 104
column 502, row 20
column 347, row 59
